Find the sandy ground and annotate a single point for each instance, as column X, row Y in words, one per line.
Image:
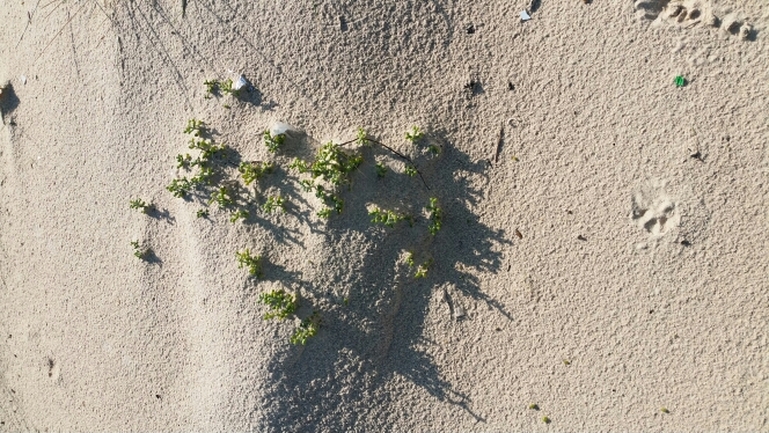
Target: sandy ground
column 603, row 251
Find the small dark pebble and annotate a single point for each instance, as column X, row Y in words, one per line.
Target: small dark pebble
column 686, row 243
column 510, row 86
column 582, row 238
column 498, row 329
column 157, row 396
column 470, row 29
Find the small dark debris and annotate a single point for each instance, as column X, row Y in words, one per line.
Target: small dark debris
column 342, row 24
column 651, row 311
column 518, row 233
column 686, row 243
column 582, row 238
column 157, row 396
column 472, row 86
column 696, row 155
column 498, row 329
column 470, row 29
column 510, row 86
column 569, row 212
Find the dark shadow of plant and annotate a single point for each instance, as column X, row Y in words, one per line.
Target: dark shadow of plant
column 373, row 308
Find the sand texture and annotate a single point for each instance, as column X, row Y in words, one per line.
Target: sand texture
column 602, row 251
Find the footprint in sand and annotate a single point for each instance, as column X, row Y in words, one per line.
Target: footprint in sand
column 654, row 211
column 690, row 13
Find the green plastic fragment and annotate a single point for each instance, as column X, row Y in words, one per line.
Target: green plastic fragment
column 680, row 81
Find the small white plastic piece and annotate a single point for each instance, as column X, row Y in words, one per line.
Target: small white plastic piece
column 23, row 79
column 279, row 128
column 239, row 83
column 525, row 16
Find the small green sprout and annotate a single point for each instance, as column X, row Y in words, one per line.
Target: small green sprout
column 253, row 171
column 140, row 204
column 202, row 213
column 306, row 185
column 680, row 81
column 386, row 217
column 239, row 214
column 195, row 127
column 141, row 252
column 434, row 149
column 281, row 304
column 410, row 170
column 422, row 269
column 180, row 187
column 307, row 329
column 381, row 169
column 324, row 213
column 414, row 135
column 184, row 161
column 566, row 362
column 664, row 410
column 223, row 197
column 410, row 259
column 534, row 406
column 253, row 263
column 273, row 142
column 436, row 216
column 546, row 420
column 361, row 137
column 274, row 203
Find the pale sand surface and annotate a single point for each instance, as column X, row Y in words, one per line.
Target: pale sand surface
column 662, row 301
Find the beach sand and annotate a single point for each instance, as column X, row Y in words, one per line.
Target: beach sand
column 602, row 252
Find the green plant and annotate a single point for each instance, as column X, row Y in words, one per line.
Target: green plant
column 410, row 170
column 140, row 204
column 202, row 213
column 281, row 304
column 534, row 406
column 331, row 163
column 273, row 203
column 386, row 217
column 436, row 216
column 381, row 169
column 141, row 252
column 546, row 420
column 239, row 214
column 307, row 329
column 217, row 87
column 680, row 81
column 180, row 187
column 422, row 269
column 253, row 263
column 664, row 410
column 324, row 213
column 361, row 138
column 253, row 171
column 195, row 127
column 273, row 142
column 414, row 135
column 410, row 259
column 223, row 197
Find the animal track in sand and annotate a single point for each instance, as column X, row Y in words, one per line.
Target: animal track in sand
column 653, row 210
column 690, row 13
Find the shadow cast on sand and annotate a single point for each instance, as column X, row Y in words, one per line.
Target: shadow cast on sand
column 373, row 339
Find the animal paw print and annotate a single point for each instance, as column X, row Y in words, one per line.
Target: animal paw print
column 654, row 211
column 690, row 13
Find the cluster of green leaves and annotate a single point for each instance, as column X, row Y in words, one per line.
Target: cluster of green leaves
column 140, row 204
column 181, row 187
column 381, row 169
column 141, row 252
column 307, row 329
column 410, row 170
column 253, row 263
column 224, row 197
column 386, row 217
column 333, row 165
column 273, row 203
column 281, row 304
column 273, row 142
column 414, row 135
column 421, row 270
column 253, row 171
column 218, row 87
column 436, row 216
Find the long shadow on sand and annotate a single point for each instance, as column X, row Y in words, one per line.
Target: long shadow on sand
column 373, row 310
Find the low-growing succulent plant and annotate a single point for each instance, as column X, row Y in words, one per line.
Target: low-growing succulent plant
column 273, row 142
column 281, row 304
column 253, row 263
column 307, row 329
